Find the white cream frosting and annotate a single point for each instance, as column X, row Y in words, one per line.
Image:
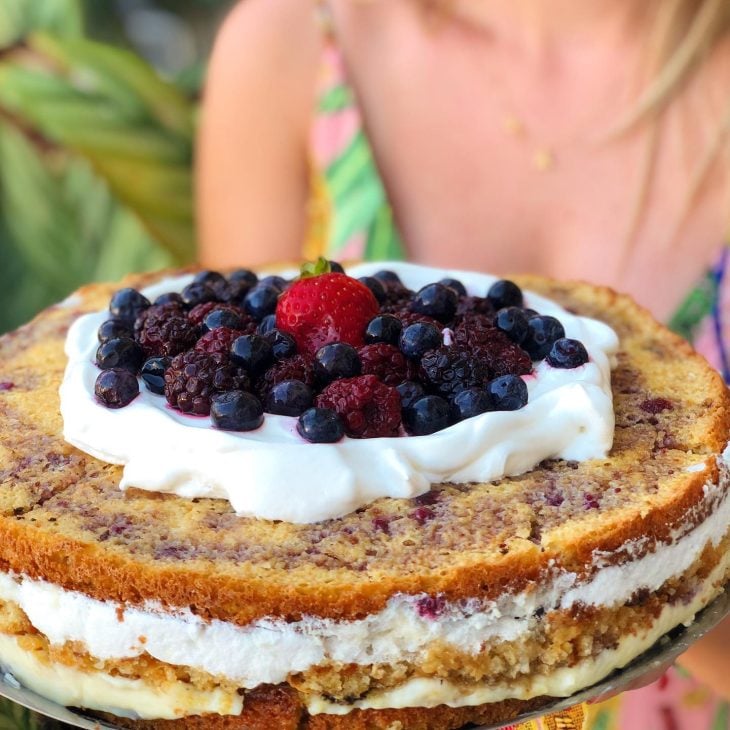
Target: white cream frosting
column 273, row 473
column 268, row 650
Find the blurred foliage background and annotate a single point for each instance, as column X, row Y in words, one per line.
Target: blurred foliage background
column 98, row 100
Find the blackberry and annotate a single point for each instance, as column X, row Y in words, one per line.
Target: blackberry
column 384, row 361
column 116, row 388
column 567, row 353
column 437, row 301
column 470, row 402
column 375, row 286
column 473, row 330
column 491, row 346
column 456, row 285
column 384, row 328
column 236, row 410
column 218, row 340
column 153, row 374
column 447, row 370
column 505, row 293
column 416, row 339
column 543, row 331
column 320, row 426
column 128, row 304
column 113, row 329
column 193, row 378
column 367, row 407
column 289, row 398
column 474, row 305
column 165, row 330
column 121, row 353
column 509, row 393
column 252, row 352
column 261, row 300
column 336, row 360
column 427, row 415
column 283, row 345
column 293, row 368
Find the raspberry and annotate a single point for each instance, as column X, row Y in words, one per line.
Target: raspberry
column 194, row 377
column 386, row 362
column 218, row 340
column 502, row 356
column 293, row 368
column 368, row 407
column 408, row 318
column 447, row 370
column 164, row 329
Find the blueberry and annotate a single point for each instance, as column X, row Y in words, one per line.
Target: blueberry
column 197, row 293
column 543, row 330
column 384, row 328
column 236, row 411
column 336, row 360
column 513, row 322
column 437, row 301
column 277, row 282
column 505, row 293
column 567, row 353
column 387, row 277
column 261, row 300
column 456, row 285
column 320, row 426
column 426, row 415
column 336, row 267
column 410, row 392
column 508, row 392
column 283, row 345
column 375, row 286
column 113, row 329
column 170, row 297
column 128, row 304
column 222, row 318
column 120, row 353
column 418, row 338
column 253, row 352
column 116, row 388
column 267, row 324
column 153, row 373
column 210, row 278
column 234, row 292
column 470, row 402
column 244, row 275
column 289, row 398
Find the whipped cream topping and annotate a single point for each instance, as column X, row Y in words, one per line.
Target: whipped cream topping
column 273, row 473
column 268, row 650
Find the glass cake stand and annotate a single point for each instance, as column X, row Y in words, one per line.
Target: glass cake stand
column 47, row 714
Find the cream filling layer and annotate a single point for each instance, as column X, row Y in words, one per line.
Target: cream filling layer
column 563, row 682
column 268, row 650
column 99, row 691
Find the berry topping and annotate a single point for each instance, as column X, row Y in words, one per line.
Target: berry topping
column 387, row 277
column 385, row 361
column 505, row 293
column 218, row 340
column 164, row 329
column 427, row 415
column 212, row 279
column 113, row 329
column 244, row 276
column 267, row 324
column 456, row 285
column 252, row 352
column 543, row 331
column 447, row 370
column 236, row 411
column 121, row 353
column 319, row 310
column 320, row 426
column 437, row 301
column 128, row 304
column 116, row 388
column 289, row 398
column 171, row 297
column 337, row 360
column 368, row 407
column 410, row 391
column 282, row 344
column 416, row 339
column 194, row 377
column 508, row 393
column 384, row 328
column 513, row 322
column 293, row 368
column 470, row 402
column 197, row 293
column 153, row 373
column 375, row 286
column 567, row 353
column 276, row 282
column 221, row 317
column 261, row 301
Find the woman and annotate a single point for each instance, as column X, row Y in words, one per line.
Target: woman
column 575, row 139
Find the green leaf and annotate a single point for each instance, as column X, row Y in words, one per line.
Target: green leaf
column 19, row 17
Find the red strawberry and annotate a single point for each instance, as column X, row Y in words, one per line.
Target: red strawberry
column 332, row 307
